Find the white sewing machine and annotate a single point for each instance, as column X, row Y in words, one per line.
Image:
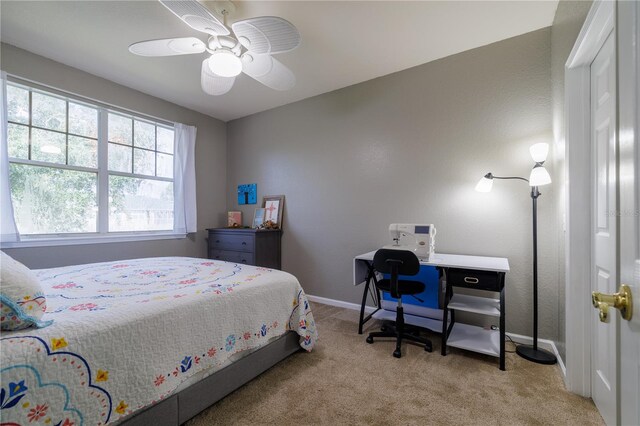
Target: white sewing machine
column 419, row 238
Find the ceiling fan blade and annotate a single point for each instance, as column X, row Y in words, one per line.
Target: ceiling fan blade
column 168, row 47
column 267, row 34
column 214, row 84
column 268, row 71
column 196, row 16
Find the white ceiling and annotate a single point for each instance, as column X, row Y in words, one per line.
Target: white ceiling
column 343, row 43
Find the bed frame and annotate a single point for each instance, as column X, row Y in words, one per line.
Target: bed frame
column 184, row 405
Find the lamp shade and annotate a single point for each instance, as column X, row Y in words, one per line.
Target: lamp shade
column 539, row 152
column 485, row 184
column 539, row 176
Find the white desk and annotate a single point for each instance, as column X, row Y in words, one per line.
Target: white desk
column 464, row 271
column 477, row 263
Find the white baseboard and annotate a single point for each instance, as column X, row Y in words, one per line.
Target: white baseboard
column 339, row 303
column 517, row 338
column 544, row 344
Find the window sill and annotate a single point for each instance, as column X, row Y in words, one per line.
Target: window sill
column 71, row 241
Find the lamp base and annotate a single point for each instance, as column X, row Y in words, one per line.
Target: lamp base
column 539, row 356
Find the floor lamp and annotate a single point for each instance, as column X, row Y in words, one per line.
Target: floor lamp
column 539, row 176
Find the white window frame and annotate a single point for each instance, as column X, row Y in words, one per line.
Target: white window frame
column 102, row 171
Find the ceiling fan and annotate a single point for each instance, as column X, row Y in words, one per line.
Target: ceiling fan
column 248, row 50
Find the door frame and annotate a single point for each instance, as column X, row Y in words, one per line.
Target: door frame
column 600, row 22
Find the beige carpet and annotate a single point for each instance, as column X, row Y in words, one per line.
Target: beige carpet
column 347, row 381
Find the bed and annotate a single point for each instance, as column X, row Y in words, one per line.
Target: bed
column 156, row 339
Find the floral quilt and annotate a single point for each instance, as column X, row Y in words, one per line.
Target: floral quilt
column 126, row 334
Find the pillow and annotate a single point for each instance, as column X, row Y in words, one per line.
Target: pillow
column 22, row 302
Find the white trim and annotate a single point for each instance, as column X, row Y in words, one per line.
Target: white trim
column 93, row 239
column 563, row 368
column 596, row 28
column 578, row 311
column 547, row 344
column 517, row 338
column 339, row 303
column 37, row 163
column 103, row 169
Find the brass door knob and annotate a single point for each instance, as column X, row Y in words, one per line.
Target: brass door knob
column 621, row 300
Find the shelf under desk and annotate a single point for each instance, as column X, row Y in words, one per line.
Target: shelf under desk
column 474, row 338
column 475, row 304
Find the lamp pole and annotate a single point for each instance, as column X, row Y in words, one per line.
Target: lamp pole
column 534, row 200
column 532, row 352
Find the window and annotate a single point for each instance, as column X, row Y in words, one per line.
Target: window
column 77, row 168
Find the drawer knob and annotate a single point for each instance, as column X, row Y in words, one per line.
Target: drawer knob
column 244, row 243
column 217, row 241
column 471, row 280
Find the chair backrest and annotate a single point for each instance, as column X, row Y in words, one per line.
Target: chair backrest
column 406, row 261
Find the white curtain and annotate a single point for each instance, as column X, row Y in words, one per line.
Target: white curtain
column 184, row 179
column 8, row 229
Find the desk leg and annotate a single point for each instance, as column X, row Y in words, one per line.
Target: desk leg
column 363, row 305
column 371, row 276
column 378, row 295
column 502, row 326
column 445, row 315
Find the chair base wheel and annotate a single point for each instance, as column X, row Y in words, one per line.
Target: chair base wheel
column 397, row 353
column 369, row 339
column 428, row 347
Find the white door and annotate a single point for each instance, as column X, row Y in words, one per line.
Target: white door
column 603, row 108
column 604, row 278
column 629, row 178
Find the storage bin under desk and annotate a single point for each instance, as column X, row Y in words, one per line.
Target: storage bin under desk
column 431, row 296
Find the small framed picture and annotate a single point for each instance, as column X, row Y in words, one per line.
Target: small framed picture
column 258, row 218
column 273, row 206
column 234, row 219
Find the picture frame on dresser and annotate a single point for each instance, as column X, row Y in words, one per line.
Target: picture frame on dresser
column 274, row 206
column 234, row 219
column 258, row 218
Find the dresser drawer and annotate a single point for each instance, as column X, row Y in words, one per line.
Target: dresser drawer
column 245, row 245
column 469, row 278
column 238, row 242
column 232, row 256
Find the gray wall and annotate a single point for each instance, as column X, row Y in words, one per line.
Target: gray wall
column 567, row 23
column 410, row 147
column 210, row 162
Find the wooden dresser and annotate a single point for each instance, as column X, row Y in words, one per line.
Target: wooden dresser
column 244, row 245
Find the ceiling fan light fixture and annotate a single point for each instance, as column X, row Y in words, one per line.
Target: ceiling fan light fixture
column 225, row 63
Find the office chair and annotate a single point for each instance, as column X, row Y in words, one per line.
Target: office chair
column 395, row 263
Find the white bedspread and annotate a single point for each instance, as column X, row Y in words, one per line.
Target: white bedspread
column 126, row 334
